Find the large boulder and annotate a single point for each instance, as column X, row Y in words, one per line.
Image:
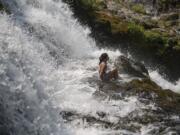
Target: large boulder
column 133, row 68
column 146, row 90
column 163, row 113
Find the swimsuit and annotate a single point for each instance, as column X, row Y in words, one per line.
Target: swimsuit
column 106, row 77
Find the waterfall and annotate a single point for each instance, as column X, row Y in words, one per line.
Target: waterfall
column 46, row 59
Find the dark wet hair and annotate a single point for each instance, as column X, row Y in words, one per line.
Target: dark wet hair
column 103, row 57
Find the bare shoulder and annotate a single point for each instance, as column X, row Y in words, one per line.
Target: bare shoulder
column 102, row 65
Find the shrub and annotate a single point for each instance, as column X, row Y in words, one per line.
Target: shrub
column 136, row 31
column 155, row 38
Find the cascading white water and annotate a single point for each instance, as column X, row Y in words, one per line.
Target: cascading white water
column 46, row 58
column 164, row 83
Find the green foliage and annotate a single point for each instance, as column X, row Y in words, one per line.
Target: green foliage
column 154, row 38
column 165, row 5
column 146, row 37
column 139, row 8
column 136, row 31
column 97, row 4
column 164, row 1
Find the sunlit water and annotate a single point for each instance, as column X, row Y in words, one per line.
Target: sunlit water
column 46, row 57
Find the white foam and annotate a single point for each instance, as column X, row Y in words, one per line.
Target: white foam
column 93, row 131
column 155, row 76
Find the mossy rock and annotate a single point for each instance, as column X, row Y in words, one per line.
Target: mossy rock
column 165, row 5
column 95, row 4
column 171, row 23
column 166, row 99
column 131, row 67
column 172, row 16
column 144, row 85
column 169, row 20
column 136, row 32
column 138, row 8
column 148, row 23
column 117, row 25
column 155, row 38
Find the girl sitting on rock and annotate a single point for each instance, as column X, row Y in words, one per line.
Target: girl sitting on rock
column 103, row 74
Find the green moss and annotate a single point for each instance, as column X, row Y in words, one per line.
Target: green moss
column 119, row 28
column 169, row 20
column 154, row 38
column 96, row 4
column 146, row 37
column 145, row 85
column 171, row 23
column 177, row 45
column 148, row 85
column 165, row 5
column 135, row 28
column 138, row 8
column 117, row 25
column 174, row 16
column 167, row 99
column 164, row 1
column 136, row 31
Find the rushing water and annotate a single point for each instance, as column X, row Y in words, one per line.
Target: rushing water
column 46, row 58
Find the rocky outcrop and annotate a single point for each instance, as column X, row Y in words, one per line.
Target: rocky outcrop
column 166, row 99
column 142, row 86
column 130, row 67
column 166, row 106
column 147, row 92
column 161, row 105
column 151, row 27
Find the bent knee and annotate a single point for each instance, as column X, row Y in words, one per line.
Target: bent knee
column 115, row 70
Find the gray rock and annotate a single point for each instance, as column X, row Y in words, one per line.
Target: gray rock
column 128, row 66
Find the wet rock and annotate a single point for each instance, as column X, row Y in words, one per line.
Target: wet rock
column 128, row 66
column 170, row 16
column 147, row 92
column 166, row 99
column 88, row 119
column 166, row 105
column 101, row 114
